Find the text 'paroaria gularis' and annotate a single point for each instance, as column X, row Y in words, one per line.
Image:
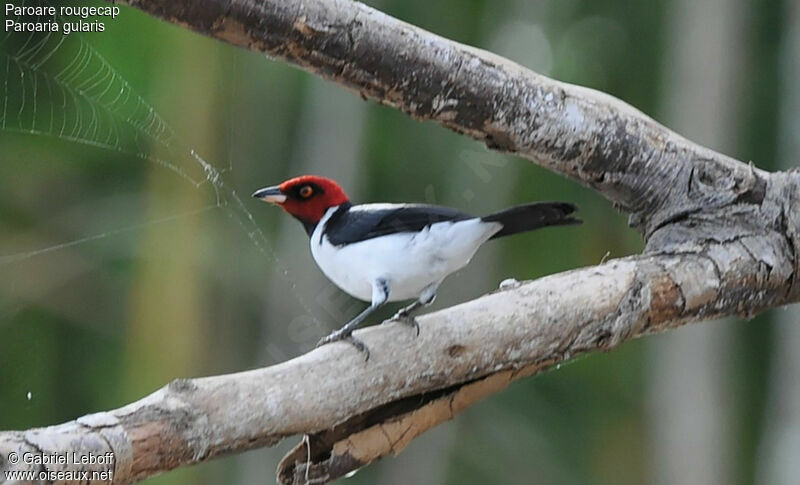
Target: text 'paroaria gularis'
column 382, row 253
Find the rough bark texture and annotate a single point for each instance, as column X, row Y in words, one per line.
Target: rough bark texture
column 690, row 376
column 720, row 241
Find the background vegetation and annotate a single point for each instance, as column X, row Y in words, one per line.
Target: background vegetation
column 159, row 279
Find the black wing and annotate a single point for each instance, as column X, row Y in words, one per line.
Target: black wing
column 354, row 224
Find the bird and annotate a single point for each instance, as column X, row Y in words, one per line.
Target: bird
column 389, row 252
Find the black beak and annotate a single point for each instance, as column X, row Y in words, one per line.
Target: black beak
column 273, row 195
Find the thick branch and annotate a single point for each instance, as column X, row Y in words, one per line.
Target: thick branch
column 675, row 190
column 587, row 135
column 364, row 410
column 721, row 238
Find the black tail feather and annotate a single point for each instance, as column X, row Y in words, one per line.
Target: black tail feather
column 533, row 216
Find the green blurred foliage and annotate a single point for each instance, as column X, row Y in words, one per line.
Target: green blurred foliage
column 144, row 300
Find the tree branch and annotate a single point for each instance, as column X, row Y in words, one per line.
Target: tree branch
column 721, row 238
column 364, row 410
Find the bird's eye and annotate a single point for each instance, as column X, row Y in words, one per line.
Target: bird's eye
column 306, row 191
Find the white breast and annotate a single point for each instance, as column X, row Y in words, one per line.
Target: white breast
column 409, row 262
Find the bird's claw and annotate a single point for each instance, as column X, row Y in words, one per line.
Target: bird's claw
column 339, row 336
column 406, row 319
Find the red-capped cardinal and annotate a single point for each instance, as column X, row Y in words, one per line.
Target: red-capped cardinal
column 392, row 252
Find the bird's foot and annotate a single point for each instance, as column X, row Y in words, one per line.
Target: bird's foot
column 407, row 319
column 340, row 336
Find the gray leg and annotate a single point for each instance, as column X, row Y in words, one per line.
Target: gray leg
column 345, row 333
column 380, row 293
column 425, row 299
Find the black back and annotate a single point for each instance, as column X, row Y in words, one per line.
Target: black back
column 348, row 225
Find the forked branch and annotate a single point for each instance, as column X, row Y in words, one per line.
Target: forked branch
column 721, row 238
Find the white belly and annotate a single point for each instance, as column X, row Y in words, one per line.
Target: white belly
column 408, row 262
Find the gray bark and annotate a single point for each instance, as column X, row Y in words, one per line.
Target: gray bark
column 691, row 370
column 720, row 241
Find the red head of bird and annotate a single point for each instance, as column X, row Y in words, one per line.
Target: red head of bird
column 307, row 197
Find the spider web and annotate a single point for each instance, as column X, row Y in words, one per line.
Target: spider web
column 58, row 85
column 83, row 100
